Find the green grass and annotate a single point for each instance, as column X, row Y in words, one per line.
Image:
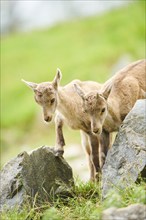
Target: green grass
column 86, row 204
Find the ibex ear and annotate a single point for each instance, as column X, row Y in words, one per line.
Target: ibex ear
column 30, row 84
column 79, row 91
column 57, row 78
column 105, row 94
column 105, row 91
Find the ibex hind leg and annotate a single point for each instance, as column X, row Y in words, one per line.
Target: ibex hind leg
column 87, row 148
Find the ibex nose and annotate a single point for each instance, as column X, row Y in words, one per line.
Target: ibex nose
column 97, row 131
column 48, row 118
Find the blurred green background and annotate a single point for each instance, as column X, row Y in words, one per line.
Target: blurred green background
column 85, row 49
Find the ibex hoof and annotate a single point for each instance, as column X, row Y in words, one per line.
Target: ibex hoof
column 59, row 153
column 97, row 176
column 91, row 180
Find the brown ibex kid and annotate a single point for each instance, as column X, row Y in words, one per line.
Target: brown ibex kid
column 108, row 107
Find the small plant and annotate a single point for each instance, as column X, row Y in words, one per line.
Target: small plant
column 51, row 214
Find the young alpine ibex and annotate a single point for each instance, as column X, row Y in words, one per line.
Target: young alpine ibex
column 108, row 107
column 68, row 107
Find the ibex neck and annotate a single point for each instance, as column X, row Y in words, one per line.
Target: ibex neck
column 63, row 101
column 112, row 121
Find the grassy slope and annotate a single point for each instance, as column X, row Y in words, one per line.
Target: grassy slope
column 86, row 49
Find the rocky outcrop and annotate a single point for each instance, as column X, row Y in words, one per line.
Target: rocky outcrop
column 132, row 212
column 39, row 174
column 127, row 157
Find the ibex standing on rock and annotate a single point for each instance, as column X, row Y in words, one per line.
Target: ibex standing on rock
column 68, row 106
column 108, row 107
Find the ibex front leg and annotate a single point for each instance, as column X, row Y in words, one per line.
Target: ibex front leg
column 60, row 143
column 94, row 142
column 105, row 144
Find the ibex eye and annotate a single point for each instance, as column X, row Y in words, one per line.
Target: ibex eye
column 84, row 110
column 52, row 101
column 103, row 110
column 39, row 94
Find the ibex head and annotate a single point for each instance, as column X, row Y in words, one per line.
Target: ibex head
column 45, row 95
column 95, row 105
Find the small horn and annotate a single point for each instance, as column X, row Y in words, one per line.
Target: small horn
column 97, row 95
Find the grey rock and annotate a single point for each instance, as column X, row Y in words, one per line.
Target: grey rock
column 39, row 174
column 127, row 157
column 132, row 212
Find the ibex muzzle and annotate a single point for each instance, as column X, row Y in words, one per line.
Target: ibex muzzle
column 96, row 128
column 47, row 117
